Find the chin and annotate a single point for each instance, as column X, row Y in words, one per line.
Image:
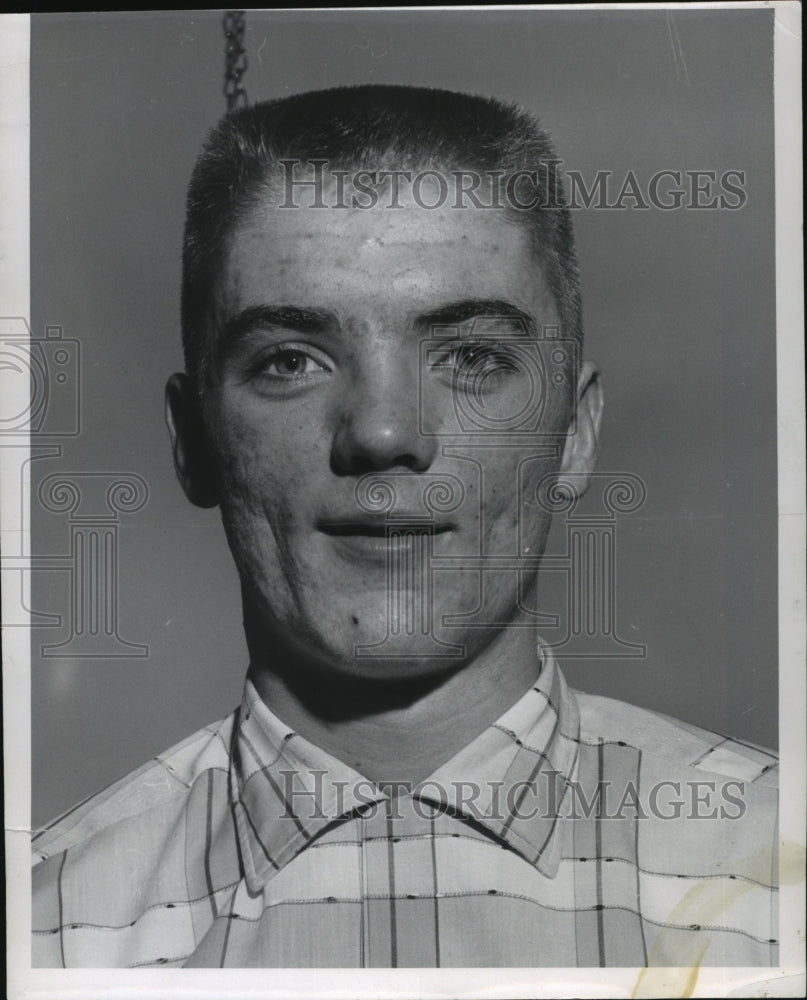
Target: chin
column 352, row 639
column 398, row 668
column 378, row 654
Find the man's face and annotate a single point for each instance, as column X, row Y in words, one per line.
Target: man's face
column 371, row 379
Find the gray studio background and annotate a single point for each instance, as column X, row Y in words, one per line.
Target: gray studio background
column 679, row 310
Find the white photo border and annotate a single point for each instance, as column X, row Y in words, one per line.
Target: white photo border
column 786, row 980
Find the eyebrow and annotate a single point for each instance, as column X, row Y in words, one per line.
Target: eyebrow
column 312, row 320
column 302, row 320
column 458, row 312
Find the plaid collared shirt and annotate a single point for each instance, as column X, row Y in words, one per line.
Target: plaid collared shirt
column 574, row 831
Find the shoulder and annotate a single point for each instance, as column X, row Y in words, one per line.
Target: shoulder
column 708, row 803
column 675, row 746
column 107, row 873
column 159, row 785
column 701, row 831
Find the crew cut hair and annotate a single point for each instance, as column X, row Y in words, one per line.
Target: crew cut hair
column 372, row 128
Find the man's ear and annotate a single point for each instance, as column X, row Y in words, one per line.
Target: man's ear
column 580, row 450
column 193, row 459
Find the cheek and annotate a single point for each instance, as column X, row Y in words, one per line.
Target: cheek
column 257, row 488
column 514, row 514
column 255, row 454
column 513, row 482
column 284, row 446
column 536, row 517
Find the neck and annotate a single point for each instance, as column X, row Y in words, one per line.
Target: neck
column 394, row 731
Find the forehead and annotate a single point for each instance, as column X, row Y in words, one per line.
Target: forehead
column 380, row 260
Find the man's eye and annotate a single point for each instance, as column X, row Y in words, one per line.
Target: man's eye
column 474, row 364
column 292, row 362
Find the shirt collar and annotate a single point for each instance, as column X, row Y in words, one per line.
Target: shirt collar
column 510, row 779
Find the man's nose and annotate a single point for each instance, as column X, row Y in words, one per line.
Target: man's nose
column 379, row 425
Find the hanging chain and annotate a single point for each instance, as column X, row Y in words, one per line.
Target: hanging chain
column 235, row 59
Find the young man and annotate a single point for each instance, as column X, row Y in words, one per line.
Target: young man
column 382, row 326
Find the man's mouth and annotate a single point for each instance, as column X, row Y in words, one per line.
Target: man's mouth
column 377, row 541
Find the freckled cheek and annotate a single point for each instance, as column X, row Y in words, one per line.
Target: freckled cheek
column 500, row 500
column 261, row 472
column 510, row 500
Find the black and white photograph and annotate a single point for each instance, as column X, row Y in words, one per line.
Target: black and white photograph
column 403, row 502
